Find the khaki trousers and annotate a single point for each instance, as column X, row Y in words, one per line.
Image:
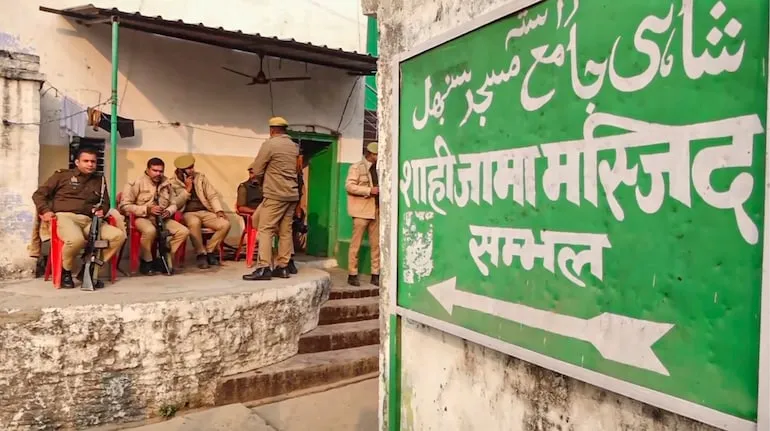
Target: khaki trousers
column 73, row 231
column 360, row 225
column 35, row 243
column 149, row 233
column 275, row 218
column 255, row 223
column 198, row 219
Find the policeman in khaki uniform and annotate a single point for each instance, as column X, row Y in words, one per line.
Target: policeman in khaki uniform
column 249, row 201
column 199, row 202
column 73, row 196
column 249, row 196
column 364, row 207
column 275, row 167
column 151, row 195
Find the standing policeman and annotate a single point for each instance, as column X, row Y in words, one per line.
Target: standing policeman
column 362, row 186
column 73, row 195
column 275, row 167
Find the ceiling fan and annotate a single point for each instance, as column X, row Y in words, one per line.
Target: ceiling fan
column 261, row 78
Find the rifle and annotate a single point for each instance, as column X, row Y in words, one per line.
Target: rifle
column 94, row 245
column 162, row 244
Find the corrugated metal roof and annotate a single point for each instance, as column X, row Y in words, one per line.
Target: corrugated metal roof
column 290, row 49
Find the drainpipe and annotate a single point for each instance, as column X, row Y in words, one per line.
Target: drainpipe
column 114, row 113
column 394, row 371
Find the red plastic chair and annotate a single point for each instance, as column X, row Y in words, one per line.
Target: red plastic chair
column 135, row 244
column 250, row 234
column 54, row 265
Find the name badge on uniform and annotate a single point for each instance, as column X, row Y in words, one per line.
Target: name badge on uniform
column 74, row 181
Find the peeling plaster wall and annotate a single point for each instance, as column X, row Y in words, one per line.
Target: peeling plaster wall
column 19, row 157
column 75, row 367
column 448, row 383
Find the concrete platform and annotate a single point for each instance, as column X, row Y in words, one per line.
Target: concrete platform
column 72, row 359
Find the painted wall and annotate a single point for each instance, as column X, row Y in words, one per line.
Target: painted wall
column 448, row 383
column 19, row 156
column 163, row 81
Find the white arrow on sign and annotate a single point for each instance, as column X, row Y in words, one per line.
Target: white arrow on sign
column 618, row 338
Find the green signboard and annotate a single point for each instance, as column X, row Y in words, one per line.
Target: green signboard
column 581, row 184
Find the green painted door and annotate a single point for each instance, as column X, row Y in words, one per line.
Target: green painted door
column 319, row 202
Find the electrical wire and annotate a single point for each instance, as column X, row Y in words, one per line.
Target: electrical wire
column 352, row 117
column 337, row 131
column 132, row 50
column 51, row 120
column 270, row 89
column 202, row 129
column 345, row 108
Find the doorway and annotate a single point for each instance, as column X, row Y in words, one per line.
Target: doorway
column 319, row 196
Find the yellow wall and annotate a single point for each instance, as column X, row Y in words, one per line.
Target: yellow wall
column 225, row 172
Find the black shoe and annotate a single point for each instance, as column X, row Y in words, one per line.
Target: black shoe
column 147, row 268
column 40, row 265
column 214, row 259
column 353, row 280
column 203, row 262
column 375, row 280
column 292, row 267
column 66, row 280
column 159, row 267
column 259, row 274
column 281, row 273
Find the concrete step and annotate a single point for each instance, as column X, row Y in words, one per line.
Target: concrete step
column 341, row 336
column 347, row 292
column 298, row 373
column 349, row 310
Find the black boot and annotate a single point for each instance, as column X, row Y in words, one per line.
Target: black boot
column 203, row 261
column 213, row 259
column 259, row 274
column 147, row 268
column 160, row 268
column 98, row 284
column 66, row 280
column 40, row 265
column 375, row 280
column 281, row 272
column 353, row 280
column 292, row 267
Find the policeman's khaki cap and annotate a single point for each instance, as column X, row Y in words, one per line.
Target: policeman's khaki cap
column 372, row 147
column 184, row 162
column 278, row 122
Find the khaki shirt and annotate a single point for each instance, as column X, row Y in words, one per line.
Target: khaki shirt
column 276, row 169
column 69, row 190
column 358, row 184
column 141, row 194
column 207, row 194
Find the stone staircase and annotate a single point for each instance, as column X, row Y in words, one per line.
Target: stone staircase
column 343, row 349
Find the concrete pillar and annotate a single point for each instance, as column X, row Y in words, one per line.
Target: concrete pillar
column 20, row 80
column 369, row 7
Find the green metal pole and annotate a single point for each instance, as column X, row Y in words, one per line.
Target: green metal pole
column 114, row 119
column 394, row 375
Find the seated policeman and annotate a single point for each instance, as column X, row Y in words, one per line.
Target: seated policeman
column 74, row 196
column 150, row 196
column 249, row 195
